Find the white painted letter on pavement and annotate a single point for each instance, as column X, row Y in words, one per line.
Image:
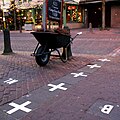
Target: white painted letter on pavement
column 107, row 109
column 10, row 81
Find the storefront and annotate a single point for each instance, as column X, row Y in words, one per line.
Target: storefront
column 33, row 18
column 73, row 15
column 115, row 14
column 93, row 13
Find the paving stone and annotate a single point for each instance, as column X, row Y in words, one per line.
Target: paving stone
column 19, row 113
column 2, row 88
column 57, row 83
column 87, row 69
column 69, row 79
column 6, row 91
column 1, row 96
column 92, row 117
column 3, row 116
column 105, row 109
column 24, row 68
column 41, row 95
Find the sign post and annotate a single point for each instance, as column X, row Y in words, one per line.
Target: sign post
column 44, row 15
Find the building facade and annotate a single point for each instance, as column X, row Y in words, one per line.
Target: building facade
column 93, row 13
column 76, row 13
column 115, row 15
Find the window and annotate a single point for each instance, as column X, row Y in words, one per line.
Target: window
column 73, row 13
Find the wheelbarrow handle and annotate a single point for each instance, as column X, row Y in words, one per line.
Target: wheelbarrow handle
column 79, row 33
column 72, row 38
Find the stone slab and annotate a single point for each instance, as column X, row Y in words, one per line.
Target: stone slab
column 87, row 69
column 18, row 114
column 70, row 79
column 105, row 109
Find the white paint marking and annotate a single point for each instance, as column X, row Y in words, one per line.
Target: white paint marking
column 107, row 109
column 19, row 107
column 104, row 60
column 57, row 87
column 10, row 81
column 94, row 66
column 79, row 74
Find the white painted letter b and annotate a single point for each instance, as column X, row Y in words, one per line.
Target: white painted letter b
column 107, row 109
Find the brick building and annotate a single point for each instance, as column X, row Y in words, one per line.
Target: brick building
column 93, row 13
column 115, row 15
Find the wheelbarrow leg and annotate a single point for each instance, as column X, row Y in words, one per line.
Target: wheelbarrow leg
column 33, row 54
column 63, row 60
column 67, row 52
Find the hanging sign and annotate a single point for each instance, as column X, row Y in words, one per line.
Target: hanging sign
column 54, row 10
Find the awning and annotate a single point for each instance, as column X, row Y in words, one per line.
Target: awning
column 94, row 1
column 72, row 1
column 31, row 4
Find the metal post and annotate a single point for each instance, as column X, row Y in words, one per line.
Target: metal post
column 44, row 18
column 15, row 19
column 64, row 14
column 20, row 25
column 4, row 24
column 61, row 16
column 6, row 32
column 7, row 43
column 103, row 14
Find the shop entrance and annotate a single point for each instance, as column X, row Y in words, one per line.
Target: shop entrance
column 95, row 15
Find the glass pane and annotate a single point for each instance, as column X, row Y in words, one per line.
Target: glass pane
column 73, row 13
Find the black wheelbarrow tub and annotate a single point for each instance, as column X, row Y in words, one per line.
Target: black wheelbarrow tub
column 51, row 39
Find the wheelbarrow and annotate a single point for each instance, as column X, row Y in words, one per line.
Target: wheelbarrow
column 49, row 42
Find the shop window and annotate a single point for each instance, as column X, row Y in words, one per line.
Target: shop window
column 73, row 13
column 29, row 18
column 38, row 19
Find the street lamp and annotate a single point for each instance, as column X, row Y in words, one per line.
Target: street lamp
column 12, row 6
column 3, row 8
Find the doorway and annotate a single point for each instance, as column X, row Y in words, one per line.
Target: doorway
column 95, row 15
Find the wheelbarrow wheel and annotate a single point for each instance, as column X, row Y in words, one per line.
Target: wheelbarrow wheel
column 42, row 59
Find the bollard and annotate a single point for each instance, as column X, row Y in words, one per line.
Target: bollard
column 67, row 51
column 7, row 44
column 90, row 27
column 20, row 27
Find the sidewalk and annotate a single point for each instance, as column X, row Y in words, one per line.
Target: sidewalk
column 99, row 88
column 22, row 67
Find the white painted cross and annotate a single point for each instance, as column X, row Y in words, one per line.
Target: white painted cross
column 79, row 74
column 94, row 66
column 104, row 60
column 57, row 87
column 11, row 81
column 19, row 107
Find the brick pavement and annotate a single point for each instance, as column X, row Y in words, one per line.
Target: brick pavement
column 22, row 66
column 101, row 86
column 30, row 76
